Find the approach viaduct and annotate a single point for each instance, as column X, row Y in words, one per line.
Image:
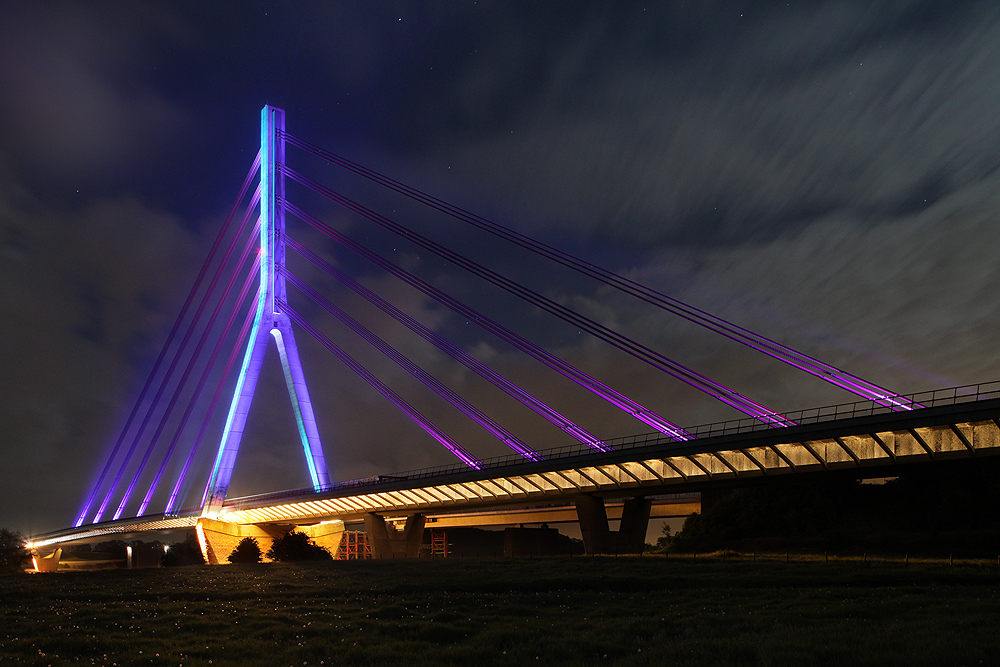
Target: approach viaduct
column 653, row 475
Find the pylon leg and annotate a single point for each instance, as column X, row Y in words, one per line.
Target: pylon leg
column 229, row 446
column 298, row 392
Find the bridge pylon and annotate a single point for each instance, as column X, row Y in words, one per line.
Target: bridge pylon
column 269, row 322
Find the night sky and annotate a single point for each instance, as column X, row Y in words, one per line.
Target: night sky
column 824, row 173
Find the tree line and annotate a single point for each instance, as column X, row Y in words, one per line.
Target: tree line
column 933, row 510
column 294, row 546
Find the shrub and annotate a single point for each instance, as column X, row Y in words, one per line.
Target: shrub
column 183, row 553
column 296, row 546
column 247, row 551
column 14, row 554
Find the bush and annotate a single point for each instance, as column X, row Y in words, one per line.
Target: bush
column 183, row 553
column 247, row 551
column 939, row 511
column 14, row 554
column 296, row 546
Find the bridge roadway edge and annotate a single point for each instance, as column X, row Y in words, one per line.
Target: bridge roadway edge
column 925, row 417
column 956, row 417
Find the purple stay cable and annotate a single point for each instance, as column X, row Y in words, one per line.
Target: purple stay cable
column 411, row 412
column 473, row 364
column 254, row 168
column 207, row 368
column 233, row 355
column 191, row 361
column 641, row 352
column 555, row 363
column 700, row 317
column 432, row 383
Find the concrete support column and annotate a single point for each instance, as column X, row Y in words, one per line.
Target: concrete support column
column 218, row 539
column 387, row 542
column 635, row 521
column 597, row 536
column 48, row 562
column 593, row 524
column 326, row 535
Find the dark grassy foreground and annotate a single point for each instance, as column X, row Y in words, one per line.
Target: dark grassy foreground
column 578, row 611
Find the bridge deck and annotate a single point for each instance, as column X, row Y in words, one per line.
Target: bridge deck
column 871, row 445
column 875, row 445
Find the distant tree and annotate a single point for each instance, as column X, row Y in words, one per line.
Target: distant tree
column 692, row 535
column 183, row 553
column 14, row 554
column 76, row 550
column 113, row 547
column 665, row 539
column 247, row 551
column 296, row 546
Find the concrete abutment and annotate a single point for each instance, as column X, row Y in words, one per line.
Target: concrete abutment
column 218, row 539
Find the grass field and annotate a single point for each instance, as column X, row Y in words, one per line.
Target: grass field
column 571, row 611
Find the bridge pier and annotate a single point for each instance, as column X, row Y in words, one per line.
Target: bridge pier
column 217, row 539
column 388, row 542
column 630, row 538
column 48, row 562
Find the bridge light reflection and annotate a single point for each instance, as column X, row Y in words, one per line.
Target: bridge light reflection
column 199, row 532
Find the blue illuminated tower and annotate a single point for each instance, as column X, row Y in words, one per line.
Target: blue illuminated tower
column 269, row 322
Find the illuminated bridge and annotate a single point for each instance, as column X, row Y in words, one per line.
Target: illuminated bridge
column 592, row 481
column 860, row 439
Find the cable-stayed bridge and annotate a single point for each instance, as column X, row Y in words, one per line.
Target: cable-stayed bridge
column 154, row 477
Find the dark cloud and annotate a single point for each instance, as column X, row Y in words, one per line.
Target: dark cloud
column 87, row 296
column 802, row 114
column 75, row 83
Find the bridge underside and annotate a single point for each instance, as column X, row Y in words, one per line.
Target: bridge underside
column 872, row 446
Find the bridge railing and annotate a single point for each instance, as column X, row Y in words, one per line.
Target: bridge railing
column 925, row 399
